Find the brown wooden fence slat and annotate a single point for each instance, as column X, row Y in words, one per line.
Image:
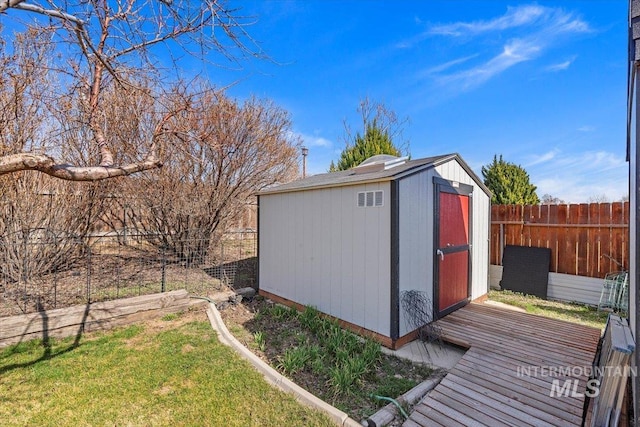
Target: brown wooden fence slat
column 582, row 261
column 578, row 235
column 573, row 240
column 626, row 213
column 564, row 249
column 496, row 249
column 617, row 235
column 527, row 217
column 545, row 232
column 605, row 239
column 553, row 237
column 617, row 213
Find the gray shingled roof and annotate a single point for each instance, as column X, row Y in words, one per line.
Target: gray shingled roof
column 334, row 179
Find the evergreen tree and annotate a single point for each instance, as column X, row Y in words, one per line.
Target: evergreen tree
column 375, row 141
column 509, row 183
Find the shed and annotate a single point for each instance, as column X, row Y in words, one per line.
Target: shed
column 353, row 243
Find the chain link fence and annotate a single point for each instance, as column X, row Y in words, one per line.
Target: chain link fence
column 42, row 270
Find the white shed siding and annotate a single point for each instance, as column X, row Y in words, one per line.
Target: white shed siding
column 563, row 287
column 318, row 248
column 415, row 196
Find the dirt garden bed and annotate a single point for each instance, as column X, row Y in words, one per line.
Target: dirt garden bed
column 111, row 272
column 333, row 364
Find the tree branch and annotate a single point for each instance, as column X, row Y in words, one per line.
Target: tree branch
column 6, row 4
column 38, row 9
column 45, row 164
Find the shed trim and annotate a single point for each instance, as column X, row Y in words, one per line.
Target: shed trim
column 394, row 271
column 462, row 189
column 410, row 168
column 444, row 160
column 258, row 243
column 325, row 186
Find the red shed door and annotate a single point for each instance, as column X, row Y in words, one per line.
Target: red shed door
column 453, row 247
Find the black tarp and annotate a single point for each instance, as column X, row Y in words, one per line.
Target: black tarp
column 526, row 270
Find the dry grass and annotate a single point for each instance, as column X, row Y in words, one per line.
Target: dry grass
column 571, row 312
column 114, row 271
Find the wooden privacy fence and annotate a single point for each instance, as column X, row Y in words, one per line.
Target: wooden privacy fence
column 584, row 238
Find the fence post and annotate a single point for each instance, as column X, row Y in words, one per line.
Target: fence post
column 24, row 270
column 55, row 275
column 88, row 274
column 164, row 269
column 501, row 243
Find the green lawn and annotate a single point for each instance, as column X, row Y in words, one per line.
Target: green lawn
column 572, row 312
column 177, row 374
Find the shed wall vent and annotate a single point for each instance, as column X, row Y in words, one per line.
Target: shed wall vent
column 378, row 199
column 370, row 199
column 361, row 199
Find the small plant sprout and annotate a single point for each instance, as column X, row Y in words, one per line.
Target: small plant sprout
column 169, row 317
column 281, row 312
column 259, row 339
column 293, row 360
column 310, row 319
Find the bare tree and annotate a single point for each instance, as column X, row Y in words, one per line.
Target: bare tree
column 227, row 151
column 598, row 198
column 43, row 227
column 104, row 44
column 548, row 199
column 23, row 93
column 385, row 119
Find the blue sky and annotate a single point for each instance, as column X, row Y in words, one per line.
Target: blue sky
column 543, row 84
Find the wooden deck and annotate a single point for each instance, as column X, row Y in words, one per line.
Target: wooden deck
column 506, row 376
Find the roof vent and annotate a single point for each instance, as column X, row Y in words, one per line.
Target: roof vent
column 379, row 163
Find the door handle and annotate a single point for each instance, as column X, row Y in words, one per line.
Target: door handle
column 440, row 253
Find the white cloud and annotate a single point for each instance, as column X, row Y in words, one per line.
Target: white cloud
column 534, row 30
column 513, row 53
column 595, row 161
column 314, row 140
column 443, row 67
column 542, row 158
column 575, row 177
column 586, row 128
column 515, row 17
column 554, row 19
column 561, row 66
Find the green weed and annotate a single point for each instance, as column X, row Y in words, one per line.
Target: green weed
column 310, row 319
column 169, row 317
column 343, row 377
column 393, row 386
column 260, row 340
column 281, row 312
column 293, row 360
column 371, row 353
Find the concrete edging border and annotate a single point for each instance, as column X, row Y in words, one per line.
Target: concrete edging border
column 273, row 376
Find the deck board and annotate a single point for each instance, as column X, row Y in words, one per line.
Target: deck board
column 489, row 385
